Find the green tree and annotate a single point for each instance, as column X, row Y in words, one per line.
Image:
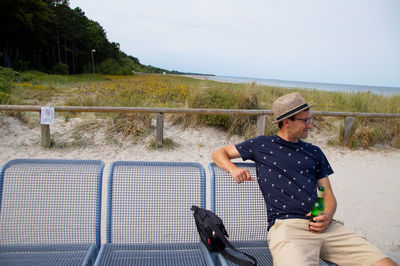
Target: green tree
column 24, row 27
column 48, row 35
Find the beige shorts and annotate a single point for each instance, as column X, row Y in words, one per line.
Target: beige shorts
column 292, row 243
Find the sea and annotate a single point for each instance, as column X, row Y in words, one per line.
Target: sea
column 378, row 90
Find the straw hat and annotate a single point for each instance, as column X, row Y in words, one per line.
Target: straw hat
column 288, row 105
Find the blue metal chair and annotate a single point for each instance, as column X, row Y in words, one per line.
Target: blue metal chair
column 149, row 221
column 242, row 209
column 50, row 211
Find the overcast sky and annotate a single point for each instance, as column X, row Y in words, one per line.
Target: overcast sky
column 341, row 41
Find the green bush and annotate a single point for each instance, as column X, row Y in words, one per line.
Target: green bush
column 5, row 85
column 60, row 68
column 367, row 132
column 223, row 97
column 216, row 99
column 5, row 88
column 115, row 67
column 7, row 78
column 10, row 75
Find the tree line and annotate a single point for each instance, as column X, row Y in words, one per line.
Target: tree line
column 49, row 36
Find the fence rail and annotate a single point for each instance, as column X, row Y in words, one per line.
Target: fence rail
column 109, row 109
column 261, row 116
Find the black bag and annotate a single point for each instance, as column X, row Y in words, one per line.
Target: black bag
column 214, row 236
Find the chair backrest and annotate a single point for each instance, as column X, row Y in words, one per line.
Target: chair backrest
column 149, row 202
column 240, row 206
column 49, row 201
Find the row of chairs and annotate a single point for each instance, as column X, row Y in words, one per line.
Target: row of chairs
column 50, row 213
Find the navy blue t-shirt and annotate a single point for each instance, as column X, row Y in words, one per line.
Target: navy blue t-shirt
column 287, row 174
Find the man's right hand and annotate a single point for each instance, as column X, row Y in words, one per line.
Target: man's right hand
column 241, row 175
column 222, row 157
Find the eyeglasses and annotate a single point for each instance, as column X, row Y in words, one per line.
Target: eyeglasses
column 307, row 121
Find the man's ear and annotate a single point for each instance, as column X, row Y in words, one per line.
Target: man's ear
column 285, row 122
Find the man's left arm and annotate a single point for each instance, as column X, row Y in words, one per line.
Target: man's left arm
column 322, row 222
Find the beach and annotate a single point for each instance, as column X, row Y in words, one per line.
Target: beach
column 366, row 182
column 348, row 88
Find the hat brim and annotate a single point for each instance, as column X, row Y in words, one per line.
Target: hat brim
column 292, row 113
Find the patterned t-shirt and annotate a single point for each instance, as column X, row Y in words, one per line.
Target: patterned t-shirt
column 287, row 174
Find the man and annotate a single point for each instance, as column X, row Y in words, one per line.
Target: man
column 288, row 173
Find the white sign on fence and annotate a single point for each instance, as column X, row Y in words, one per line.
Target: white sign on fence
column 47, row 116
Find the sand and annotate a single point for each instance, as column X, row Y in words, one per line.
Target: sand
column 366, row 182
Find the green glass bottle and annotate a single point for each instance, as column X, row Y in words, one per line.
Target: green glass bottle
column 318, row 206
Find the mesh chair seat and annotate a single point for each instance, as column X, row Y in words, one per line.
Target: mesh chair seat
column 149, row 220
column 49, row 211
column 243, row 210
column 153, row 254
column 71, row 254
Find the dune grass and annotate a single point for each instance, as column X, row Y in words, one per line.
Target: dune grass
column 154, row 90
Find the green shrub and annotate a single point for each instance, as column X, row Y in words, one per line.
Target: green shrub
column 215, row 99
column 60, row 68
column 367, row 132
column 10, row 75
column 116, row 67
column 5, row 90
column 7, row 78
column 225, row 96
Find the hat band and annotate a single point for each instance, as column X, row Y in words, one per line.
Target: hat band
column 293, row 111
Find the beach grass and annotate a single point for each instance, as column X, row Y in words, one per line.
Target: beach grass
column 155, row 90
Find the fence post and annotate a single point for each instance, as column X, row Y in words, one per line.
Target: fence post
column 160, row 129
column 45, row 134
column 46, row 143
column 348, row 124
column 260, row 131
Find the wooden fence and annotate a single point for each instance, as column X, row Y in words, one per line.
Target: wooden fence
column 261, row 116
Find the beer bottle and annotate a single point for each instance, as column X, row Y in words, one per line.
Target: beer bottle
column 318, row 206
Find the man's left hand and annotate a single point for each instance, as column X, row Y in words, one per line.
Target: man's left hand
column 320, row 223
